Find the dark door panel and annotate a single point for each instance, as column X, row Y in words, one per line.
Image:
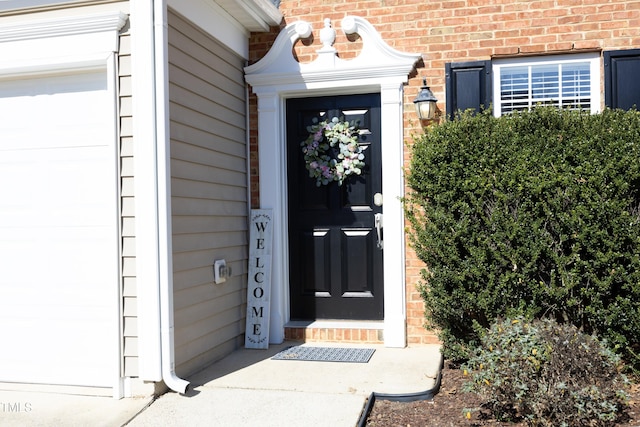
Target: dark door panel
column 335, row 262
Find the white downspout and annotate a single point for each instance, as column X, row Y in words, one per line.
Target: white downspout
column 161, row 76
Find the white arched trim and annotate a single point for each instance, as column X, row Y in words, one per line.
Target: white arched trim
column 277, row 77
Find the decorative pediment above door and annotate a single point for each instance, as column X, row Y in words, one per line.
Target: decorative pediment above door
column 376, row 60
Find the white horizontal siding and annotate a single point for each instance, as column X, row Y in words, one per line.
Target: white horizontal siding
column 209, row 195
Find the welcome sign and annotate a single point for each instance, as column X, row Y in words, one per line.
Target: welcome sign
column 259, row 286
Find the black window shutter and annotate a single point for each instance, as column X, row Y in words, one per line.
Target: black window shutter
column 468, row 85
column 622, row 79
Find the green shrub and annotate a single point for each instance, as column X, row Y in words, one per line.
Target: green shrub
column 536, row 213
column 548, row 374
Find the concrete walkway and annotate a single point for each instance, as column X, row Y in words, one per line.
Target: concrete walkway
column 36, row 409
column 248, row 388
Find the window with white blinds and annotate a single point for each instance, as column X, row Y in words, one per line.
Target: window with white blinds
column 564, row 82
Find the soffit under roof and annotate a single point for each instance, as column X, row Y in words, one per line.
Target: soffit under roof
column 254, row 15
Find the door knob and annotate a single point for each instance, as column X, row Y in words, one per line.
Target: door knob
column 377, row 199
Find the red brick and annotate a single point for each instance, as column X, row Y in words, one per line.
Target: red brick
column 628, row 14
column 571, row 19
column 587, row 44
column 559, row 46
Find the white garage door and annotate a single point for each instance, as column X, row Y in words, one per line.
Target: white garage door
column 58, row 232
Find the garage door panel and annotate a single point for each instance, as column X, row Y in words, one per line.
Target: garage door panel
column 26, row 354
column 58, row 232
column 77, row 257
column 64, row 184
column 55, row 112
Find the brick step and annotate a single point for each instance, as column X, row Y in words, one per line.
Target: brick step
column 334, row 334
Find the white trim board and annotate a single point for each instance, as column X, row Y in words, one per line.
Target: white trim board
column 59, row 45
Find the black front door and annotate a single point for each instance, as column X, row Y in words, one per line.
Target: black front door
column 335, row 248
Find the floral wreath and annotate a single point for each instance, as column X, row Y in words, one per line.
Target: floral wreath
column 336, row 137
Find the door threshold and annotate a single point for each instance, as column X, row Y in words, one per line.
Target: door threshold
column 343, row 331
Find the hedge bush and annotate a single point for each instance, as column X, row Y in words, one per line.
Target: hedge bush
column 536, row 214
column 547, row 374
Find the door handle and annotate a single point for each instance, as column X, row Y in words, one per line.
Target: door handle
column 377, row 221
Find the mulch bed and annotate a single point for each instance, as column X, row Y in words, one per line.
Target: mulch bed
column 447, row 408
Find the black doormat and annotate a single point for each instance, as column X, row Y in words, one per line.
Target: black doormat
column 326, row 354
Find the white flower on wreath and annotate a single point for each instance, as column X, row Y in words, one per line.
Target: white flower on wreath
column 332, row 137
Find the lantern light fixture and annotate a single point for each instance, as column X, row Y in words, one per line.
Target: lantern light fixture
column 425, row 103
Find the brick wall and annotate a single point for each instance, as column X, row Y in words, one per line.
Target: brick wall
column 456, row 31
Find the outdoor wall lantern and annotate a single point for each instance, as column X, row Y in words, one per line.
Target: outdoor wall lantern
column 425, row 103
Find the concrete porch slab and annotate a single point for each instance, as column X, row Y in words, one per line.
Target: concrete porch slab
column 248, row 388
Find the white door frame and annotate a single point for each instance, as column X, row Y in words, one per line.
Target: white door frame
column 377, row 69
